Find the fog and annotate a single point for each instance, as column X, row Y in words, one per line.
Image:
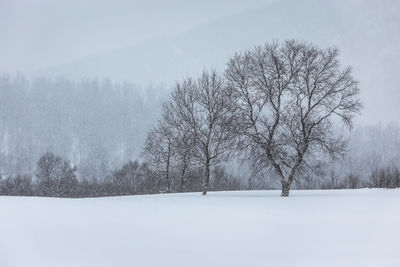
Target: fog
column 43, row 33
column 158, row 42
column 152, row 44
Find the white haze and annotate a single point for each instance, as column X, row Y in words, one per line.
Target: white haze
column 159, row 42
column 41, row 33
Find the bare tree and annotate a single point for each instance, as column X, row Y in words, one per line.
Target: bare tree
column 183, row 143
column 158, row 152
column 56, row 177
column 184, row 153
column 200, row 109
column 127, row 179
column 287, row 97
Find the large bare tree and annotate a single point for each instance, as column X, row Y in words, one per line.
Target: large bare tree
column 200, row 110
column 287, row 98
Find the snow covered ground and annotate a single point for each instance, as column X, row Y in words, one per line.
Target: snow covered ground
column 249, row 228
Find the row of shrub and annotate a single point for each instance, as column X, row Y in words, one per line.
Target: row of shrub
column 388, row 177
column 55, row 177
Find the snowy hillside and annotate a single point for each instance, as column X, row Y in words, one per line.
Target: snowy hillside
column 258, row 228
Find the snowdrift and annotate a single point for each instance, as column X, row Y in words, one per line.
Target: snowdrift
column 247, row 228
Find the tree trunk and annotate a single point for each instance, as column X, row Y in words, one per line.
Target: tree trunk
column 285, row 189
column 207, row 178
column 183, row 176
column 167, row 170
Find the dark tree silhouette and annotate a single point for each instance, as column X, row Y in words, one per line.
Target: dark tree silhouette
column 287, row 99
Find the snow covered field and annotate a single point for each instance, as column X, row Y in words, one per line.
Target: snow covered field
column 253, row 228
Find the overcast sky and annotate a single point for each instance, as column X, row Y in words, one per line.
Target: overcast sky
column 41, row 33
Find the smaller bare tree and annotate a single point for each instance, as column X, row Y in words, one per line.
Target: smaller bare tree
column 158, row 151
column 184, row 154
column 199, row 109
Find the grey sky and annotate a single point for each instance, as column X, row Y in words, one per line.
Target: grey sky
column 41, row 33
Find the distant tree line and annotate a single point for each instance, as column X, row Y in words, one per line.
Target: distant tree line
column 387, row 178
column 95, row 123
